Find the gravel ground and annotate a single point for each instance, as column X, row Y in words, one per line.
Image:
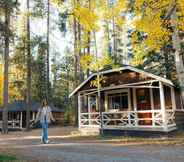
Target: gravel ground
column 28, row 147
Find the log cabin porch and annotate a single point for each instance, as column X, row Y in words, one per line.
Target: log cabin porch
column 128, row 104
column 132, row 108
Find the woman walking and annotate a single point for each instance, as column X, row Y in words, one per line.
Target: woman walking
column 44, row 115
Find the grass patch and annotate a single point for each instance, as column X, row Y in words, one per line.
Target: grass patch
column 7, row 158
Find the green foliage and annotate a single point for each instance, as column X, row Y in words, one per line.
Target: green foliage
column 7, row 158
column 63, row 80
column 40, row 75
column 38, row 10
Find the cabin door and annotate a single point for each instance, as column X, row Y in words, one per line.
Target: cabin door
column 143, row 104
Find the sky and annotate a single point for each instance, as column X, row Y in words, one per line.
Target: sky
column 58, row 41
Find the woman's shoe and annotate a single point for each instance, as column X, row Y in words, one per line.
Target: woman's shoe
column 47, row 142
column 42, row 140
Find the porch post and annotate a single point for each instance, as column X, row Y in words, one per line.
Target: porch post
column 129, row 100
column 79, row 110
column 33, row 115
column 21, row 119
column 152, row 106
column 162, row 104
column 89, row 110
column 135, row 106
column 151, row 99
column 134, row 99
column 173, row 100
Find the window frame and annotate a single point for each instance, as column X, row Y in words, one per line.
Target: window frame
column 127, row 90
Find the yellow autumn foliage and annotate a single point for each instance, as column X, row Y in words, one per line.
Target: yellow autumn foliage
column 149, row 18
column 15, row 84
column 138, row 57
column 114, row 12
column 86, row 18
column 88, row 61
column 85, row 61
column 94, row 82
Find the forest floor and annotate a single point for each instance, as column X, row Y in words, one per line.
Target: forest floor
column 66, row 146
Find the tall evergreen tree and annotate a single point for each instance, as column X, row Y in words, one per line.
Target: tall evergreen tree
column 6, row 7
column 48, row 50
column 6, row 67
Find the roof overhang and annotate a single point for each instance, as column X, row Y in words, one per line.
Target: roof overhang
column 164, row 80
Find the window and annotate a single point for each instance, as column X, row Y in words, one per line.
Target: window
column 118, row 101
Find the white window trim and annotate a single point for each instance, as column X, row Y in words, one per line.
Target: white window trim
column 117, row 91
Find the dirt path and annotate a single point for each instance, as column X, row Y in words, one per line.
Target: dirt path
column 63, row 149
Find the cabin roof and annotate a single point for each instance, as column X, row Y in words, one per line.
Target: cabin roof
column 127, row 67
column 21, row 106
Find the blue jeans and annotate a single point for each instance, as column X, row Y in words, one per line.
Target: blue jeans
column 44, row 131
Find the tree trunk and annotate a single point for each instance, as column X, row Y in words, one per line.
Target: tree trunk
column 81, row 76
column 75, row 67
column 165, row 53
column 48, row 46
column 28, row 96
column 114, row 43
column 98, row 88
column 178, row 55
column 68, row 82
column 6, row 66
column 89, row 38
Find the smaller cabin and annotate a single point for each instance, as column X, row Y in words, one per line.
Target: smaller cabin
column 17, row 114
column 130, row 99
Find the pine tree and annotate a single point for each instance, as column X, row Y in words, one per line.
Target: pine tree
column 28, row 94
column 7, row 8
column 48, row 51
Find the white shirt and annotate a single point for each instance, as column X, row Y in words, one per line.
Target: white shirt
column 44, row 111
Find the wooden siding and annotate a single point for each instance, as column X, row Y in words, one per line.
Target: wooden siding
column 179, row 119
column 178, row 99
column 167, row 94
column 119, row 78
column 59, row 117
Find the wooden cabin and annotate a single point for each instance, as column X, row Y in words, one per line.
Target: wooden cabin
column 130, row 99
column 17, row 114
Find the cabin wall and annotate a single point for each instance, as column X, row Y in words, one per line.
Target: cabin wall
column 156, row 99
column 167, row 95
column 178, row 99
column 119, row 78
column 143, row 99
column 179, row 119
column 59, row 117
column 179, row 114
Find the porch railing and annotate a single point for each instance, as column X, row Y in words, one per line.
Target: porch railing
column 128, row 119
column 12, row 124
